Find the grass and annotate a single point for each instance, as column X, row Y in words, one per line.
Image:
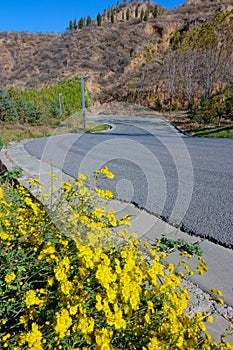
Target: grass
column 220, row 132
column 97, row 128
column 18, row 132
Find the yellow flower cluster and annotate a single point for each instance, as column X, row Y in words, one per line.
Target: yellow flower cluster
column 77, row 280
column 10, row 277
column 105, row 171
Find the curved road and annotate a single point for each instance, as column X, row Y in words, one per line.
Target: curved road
column 187, row 181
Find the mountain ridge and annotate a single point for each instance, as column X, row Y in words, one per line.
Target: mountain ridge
column 123, row 58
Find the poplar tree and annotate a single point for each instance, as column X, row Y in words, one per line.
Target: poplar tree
column 81, row 23
column 127, row 14
column 142, row 15
column 89, row 21
column 99, row 20
column 146, row 16
column 155, row 12
column 75, row 24
column 112, row 18
column 71, row 24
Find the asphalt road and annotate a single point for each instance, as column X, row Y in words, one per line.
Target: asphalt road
column 188, row 181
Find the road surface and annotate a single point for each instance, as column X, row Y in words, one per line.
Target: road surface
column 188, row 181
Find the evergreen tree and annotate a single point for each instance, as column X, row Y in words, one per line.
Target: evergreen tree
column 155, row 12
column 127, row 14
column 7, row 108
column 33, row 115
column 99, row 20
column 142, row 15
column 75, row 24
column 21, row 109
column 112, row 18
column 81, row 23
column 71, row 24
column 123, row 15
column 136, row 12
column 108, row 15
column 54, row 109
column 89, row 21
column 146, row 16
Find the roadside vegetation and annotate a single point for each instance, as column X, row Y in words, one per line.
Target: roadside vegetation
column 27, row 114
column 223, row 132
column 73, row 278
column 198, row 68
column 38, row 106
column 34, row 112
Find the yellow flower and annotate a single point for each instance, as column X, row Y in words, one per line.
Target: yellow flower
column 154, row 344
column 67, row 186
column 104, row 194
column 126, row 221
column 220, row 300
column 66, row 287
column 82, row 177
column 32, row 299
column 34, row 338
column 103, row 338
column 119, row 323
column 107, row 173
column 147, row 318
column 99, row 212
column 216, row 291
column 50, row 281
column 74, row 310
column 112, row 219
column 111, row 293
column 4, row 235
column 10, row 277
column 64, row 321
column 5, row 337
column 1, row 193
column 23, row 320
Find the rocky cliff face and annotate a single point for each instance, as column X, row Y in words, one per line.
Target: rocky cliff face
column 124, row 58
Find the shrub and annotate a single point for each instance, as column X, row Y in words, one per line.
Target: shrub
column 216, row 108
column 7, row 109
column 158, row 105
column 77, row 280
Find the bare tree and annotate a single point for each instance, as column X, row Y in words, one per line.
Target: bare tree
column 171, row 73
column 187, row 71
column 215, row 46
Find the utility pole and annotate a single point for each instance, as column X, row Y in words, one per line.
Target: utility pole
column 83, row 99
column 60, row 105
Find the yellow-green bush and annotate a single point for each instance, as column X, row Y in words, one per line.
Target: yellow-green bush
column 74, row 279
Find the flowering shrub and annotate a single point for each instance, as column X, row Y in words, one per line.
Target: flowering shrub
column 75, row 279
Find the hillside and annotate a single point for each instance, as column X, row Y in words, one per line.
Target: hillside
column 124, row 58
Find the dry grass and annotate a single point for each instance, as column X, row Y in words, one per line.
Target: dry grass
column 18, row 132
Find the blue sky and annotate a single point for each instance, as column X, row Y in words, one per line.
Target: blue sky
column 54, row 15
